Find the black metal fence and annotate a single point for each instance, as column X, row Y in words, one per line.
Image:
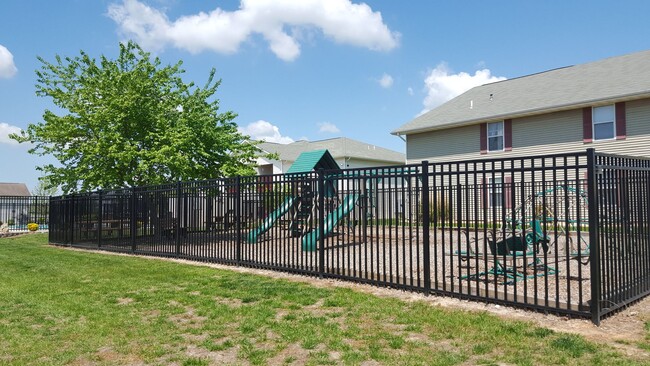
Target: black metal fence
column 564, row 233
column 16, row 212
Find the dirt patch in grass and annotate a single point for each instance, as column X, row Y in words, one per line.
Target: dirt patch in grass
column 233, row 303
column 292, row 354
column 106, row 355
column 417, row 338
column 370, row 363
column 124, row 301
column 225, row 357
column 188, row 319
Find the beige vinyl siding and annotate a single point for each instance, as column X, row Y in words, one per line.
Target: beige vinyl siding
column 459, row 142
column 363, row 163
column 559, row 132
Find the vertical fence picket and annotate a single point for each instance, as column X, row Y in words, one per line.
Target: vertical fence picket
column 132, row 220
column 321, row 223
column 100, row 218
column 238, row 256
column 426, row 227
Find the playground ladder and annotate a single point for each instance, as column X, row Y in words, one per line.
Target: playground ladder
column 304, row 212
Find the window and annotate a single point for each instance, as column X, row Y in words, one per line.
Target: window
column 604, row 122
column 495, row 136
column 495, row 192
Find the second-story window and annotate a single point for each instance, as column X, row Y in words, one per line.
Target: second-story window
column 495, row 136
column 604, row 122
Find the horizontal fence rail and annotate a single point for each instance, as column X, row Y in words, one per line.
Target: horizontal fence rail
column 564, row 233
column 17, row 212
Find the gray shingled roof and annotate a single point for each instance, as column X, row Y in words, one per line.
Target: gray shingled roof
column 605, row 81
column 14, row 189
column 340, row 147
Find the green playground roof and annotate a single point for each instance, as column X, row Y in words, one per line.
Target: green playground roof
column 313, row 160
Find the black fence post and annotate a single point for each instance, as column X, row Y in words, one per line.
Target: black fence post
column 179, row 213
column 72, row 219
column 426, row 226
column 50, row 237
column 100, row 215
column 238, row 217
column 594, row 247
column 132, row 220
column 321, row 223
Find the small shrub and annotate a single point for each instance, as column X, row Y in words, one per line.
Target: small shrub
column 11, row 222
column 32, row 226
column 440, row 209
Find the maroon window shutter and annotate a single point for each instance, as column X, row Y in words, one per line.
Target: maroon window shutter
column 620, row 121
column 507, row 134
column 483, row 138
column 587, row 134
column 507, row 191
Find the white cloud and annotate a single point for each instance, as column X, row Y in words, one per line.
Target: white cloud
column 386, row 81
column 328, row 127
column 263, row 130
column 7, row 66
column 5, row 130
column 410, row 91
column 442, row 85
column 223, row 31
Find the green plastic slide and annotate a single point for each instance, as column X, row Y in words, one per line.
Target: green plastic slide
column 254, row 234
column 310, row 239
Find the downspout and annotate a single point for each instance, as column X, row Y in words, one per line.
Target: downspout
column 403, row 139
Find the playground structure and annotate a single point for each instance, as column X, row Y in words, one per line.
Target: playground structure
column 303, row 200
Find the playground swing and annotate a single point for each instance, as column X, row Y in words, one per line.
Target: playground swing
column 527, row 245
column 561, row 207
column 524, row 235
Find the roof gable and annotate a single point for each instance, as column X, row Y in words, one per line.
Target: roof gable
column 605, row 81
column 313, row 160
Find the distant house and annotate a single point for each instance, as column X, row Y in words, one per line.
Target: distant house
column 603, row 104
column 346, row 152
column 14, row 203
column 14, row 190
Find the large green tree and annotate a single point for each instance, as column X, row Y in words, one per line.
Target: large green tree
column 132, row 121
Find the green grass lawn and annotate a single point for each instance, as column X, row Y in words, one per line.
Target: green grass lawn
column 66, row 307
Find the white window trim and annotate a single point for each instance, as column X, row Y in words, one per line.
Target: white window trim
column 594, row 123
column 503, row 136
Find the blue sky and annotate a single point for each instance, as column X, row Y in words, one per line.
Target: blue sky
column 311, row 69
